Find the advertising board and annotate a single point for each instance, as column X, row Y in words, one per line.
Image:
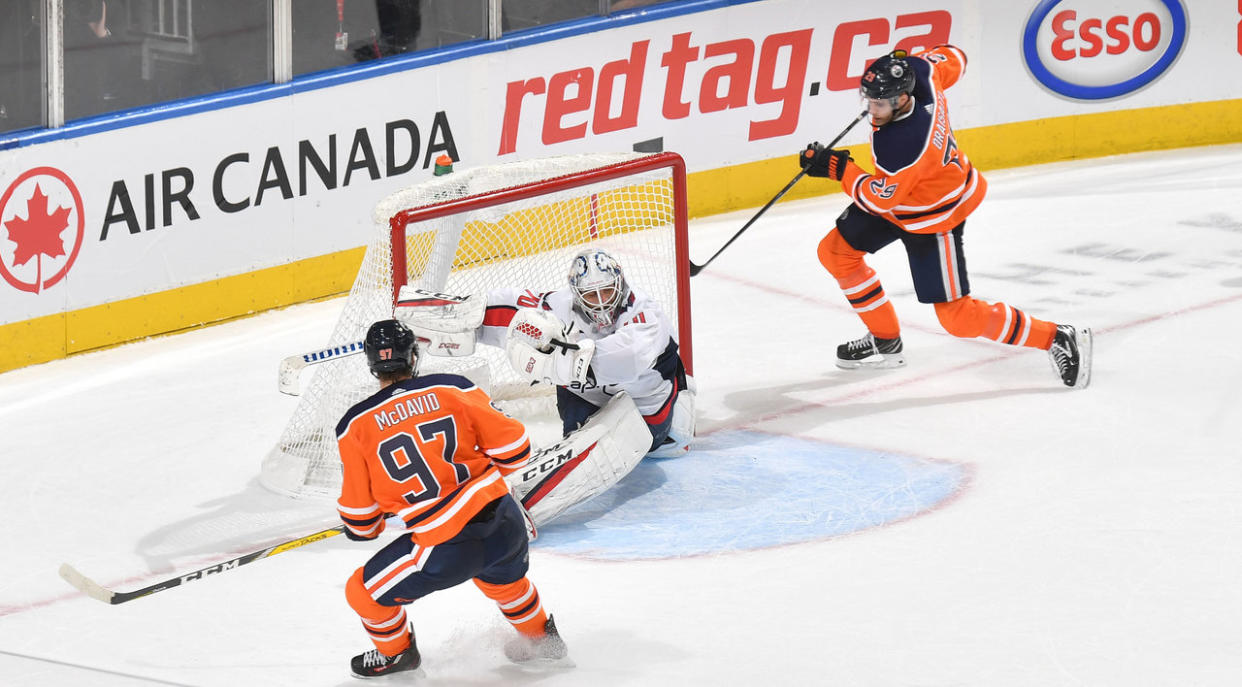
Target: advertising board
column 121, row 231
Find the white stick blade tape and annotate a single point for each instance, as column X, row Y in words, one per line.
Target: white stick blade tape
column 84, row 584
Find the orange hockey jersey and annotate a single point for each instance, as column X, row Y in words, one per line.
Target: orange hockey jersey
column 432, row 450
column 922, row 183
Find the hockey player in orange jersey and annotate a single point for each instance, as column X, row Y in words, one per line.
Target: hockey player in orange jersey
column 433, row 451
column 922, row 190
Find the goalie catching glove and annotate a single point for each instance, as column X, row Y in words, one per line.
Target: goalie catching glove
column 446, row 325
column 541, row 350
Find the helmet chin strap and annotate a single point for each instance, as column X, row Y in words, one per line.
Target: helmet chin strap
column 898, row 116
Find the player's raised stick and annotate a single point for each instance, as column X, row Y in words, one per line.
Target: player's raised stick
column 695, row 269
column 96, row 591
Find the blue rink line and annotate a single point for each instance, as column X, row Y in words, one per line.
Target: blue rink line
column 746, row 490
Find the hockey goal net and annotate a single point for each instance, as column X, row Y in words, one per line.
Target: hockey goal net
column 467, row 232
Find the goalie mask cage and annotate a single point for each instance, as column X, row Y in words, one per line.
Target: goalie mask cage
column 516, row 224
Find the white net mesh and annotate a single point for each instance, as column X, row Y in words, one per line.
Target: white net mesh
column 479, row 246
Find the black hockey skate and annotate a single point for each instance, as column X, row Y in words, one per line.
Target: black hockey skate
column 375, row 664
column 1071, row 355
column 549, row 647
column 870, row 352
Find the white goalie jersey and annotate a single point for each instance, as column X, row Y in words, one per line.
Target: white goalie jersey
column 637, row 354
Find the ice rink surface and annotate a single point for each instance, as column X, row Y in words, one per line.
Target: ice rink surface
column 965, row 520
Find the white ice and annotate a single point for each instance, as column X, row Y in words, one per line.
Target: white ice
column 1097, row 541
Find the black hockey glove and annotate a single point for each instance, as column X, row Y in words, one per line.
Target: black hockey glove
column 358, row 537
column 824, row 162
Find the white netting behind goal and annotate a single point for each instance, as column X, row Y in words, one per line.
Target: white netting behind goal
column 515, row 224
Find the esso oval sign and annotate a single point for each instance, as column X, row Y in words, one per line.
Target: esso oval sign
column 1097, row 49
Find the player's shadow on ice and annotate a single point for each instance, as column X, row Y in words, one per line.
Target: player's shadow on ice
column 788, row 402
column 234, row 525
column 255, row 518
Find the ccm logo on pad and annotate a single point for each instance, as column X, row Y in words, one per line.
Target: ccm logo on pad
column 1100, row 49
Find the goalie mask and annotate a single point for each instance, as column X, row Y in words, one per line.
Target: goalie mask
column 390, row 347
column 600, row 290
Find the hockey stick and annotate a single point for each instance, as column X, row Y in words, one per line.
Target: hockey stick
column 584, row 463
column 96, row 591
column 291, row 367
column 289, row 373
column 695, row 269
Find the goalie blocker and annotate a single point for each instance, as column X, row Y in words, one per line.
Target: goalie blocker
column 445, row 324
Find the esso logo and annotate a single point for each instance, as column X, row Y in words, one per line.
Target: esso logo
column 1097, row 49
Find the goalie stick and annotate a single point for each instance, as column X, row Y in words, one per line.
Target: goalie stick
column 291, row 368
column 96, row 591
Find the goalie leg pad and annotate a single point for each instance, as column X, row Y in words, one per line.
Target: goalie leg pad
column 681, row 430
column 585, row 463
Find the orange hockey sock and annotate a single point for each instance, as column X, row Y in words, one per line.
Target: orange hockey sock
column 969, row 317
column 860, row 284
column 386, row 625
column 520, row 603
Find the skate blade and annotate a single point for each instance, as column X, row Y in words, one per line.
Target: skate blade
column 886, row 363
column 543, row 665
column 1085, row 345
column 418, row 674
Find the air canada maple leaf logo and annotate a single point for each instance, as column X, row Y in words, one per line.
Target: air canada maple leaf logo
column 41, row 218
column 40, row 232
